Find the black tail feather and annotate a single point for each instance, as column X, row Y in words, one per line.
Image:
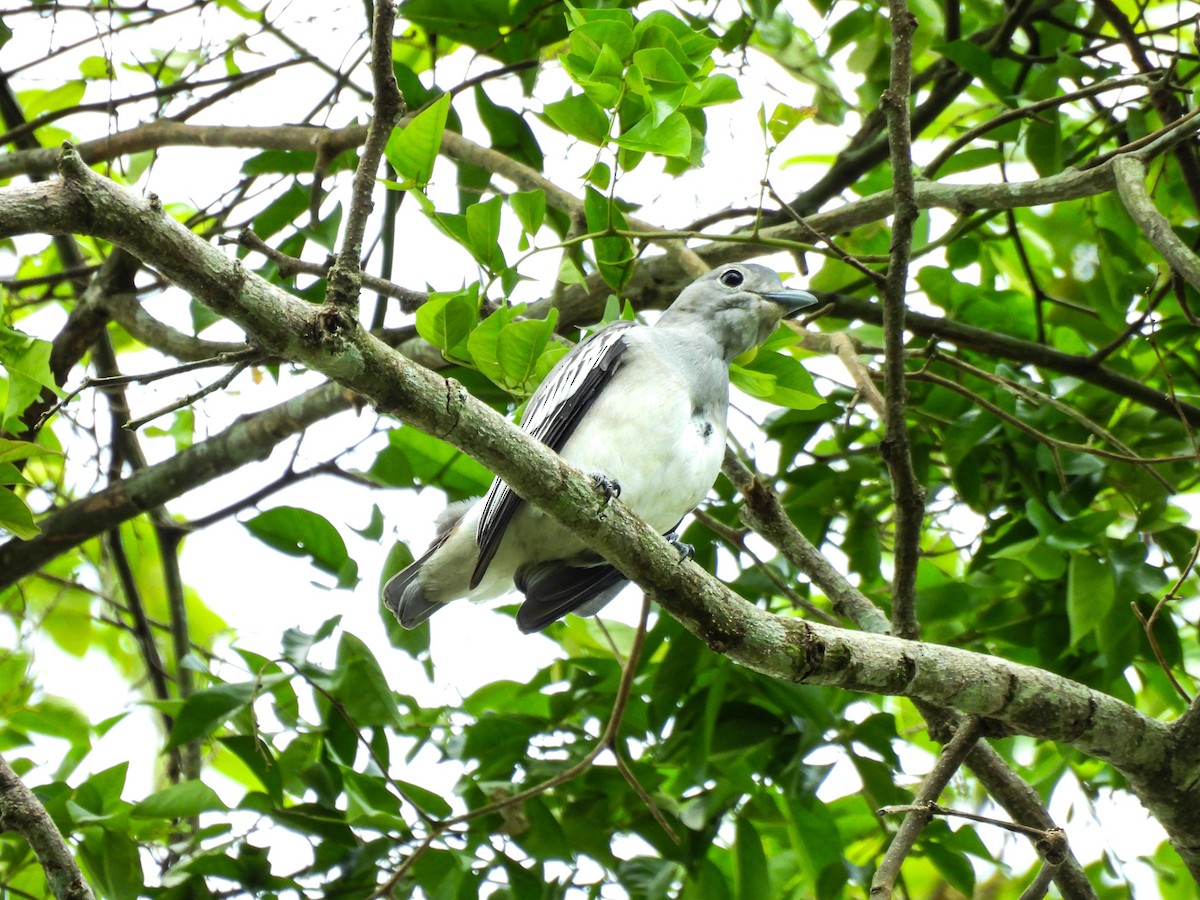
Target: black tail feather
column 405, row 596
column 553, row 589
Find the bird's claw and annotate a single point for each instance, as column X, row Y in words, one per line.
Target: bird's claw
column 686, row 551
column 609, row 487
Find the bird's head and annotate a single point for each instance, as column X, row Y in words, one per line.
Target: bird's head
column 738, row 304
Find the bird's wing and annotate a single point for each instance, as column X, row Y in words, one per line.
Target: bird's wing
column 554, row 411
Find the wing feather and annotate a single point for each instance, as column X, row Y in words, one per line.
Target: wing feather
column 554, row 411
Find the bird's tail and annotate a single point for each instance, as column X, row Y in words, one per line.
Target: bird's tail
column 405, row 593
column 553, row 589
column 405, row 596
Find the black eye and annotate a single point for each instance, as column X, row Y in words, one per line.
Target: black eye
column 732, row 278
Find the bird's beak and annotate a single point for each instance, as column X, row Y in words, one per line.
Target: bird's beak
column 792, row 301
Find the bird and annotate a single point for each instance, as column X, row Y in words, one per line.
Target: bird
column 643, row 409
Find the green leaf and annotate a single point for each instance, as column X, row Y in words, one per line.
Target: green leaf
column 433, row 803
column 785, row 119
column 55, row 717
column 302, row 532
column 258, row 757
column 484, row 342
column 614, row 254
column 281, row 212
column 413, row 149
column 11, row 451
column 673, row 137
column 483, row 233
column 579, row 116
column 589, row 39
column 112, row 860
column 714, row 89
column 446, row 321
column 954, row 867
column 16, row 517
column 1091, row 592
column 509, row 132
column 360, row 686
column 179, row 801
column 207, row 710
column 27, row 361
column 414, row 458
column 519, row 349
column 530, row 207
column 64, row 96
column 777, row 378
column 750, row 862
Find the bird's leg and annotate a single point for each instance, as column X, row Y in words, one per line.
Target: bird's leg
column 686, row 551
column 609, row 487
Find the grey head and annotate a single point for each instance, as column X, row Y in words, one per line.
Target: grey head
column 739, row 305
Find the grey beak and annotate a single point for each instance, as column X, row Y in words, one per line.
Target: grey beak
column 791, row 300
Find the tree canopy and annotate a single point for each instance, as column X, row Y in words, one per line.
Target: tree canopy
column 277, row 278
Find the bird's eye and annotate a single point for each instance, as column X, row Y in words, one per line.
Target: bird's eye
column 732, row 278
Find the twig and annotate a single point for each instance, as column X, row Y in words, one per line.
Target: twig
column 907, row 493
column 410, row 300
column 845, row 351
column 737, row 540
column 1031, row 110
column 878, row 278
column 1044, row 438
column 606, row 741
column 763, row 513
column 188, row 399
column 169, row 537
column 646, row 799
column 918, row 814
column 146, row 378
column 1149, row 623
column 1041, row 834
column 1041, row 882
column 345, row 275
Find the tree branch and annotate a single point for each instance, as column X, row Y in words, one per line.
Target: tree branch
column 245, row 441
column 21, row 812
column 951, row 759
column 1130, row 173
column 907, row 494
column 345, row 275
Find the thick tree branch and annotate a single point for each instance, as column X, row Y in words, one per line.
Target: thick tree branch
column 21, row 812
column 1019, row 698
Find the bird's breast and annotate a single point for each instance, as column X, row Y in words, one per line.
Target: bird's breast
column 663, row 449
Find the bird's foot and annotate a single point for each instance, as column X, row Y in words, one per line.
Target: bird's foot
column 609, row 487
column 686, row 551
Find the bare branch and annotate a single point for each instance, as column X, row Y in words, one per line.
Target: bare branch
column 409, row 299
column 916, row 817
column 345, row 275
column 907, row 493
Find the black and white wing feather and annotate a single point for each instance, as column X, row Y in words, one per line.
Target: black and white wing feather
column 554, row 412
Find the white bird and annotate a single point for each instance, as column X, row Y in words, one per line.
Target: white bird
column 644, row 408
